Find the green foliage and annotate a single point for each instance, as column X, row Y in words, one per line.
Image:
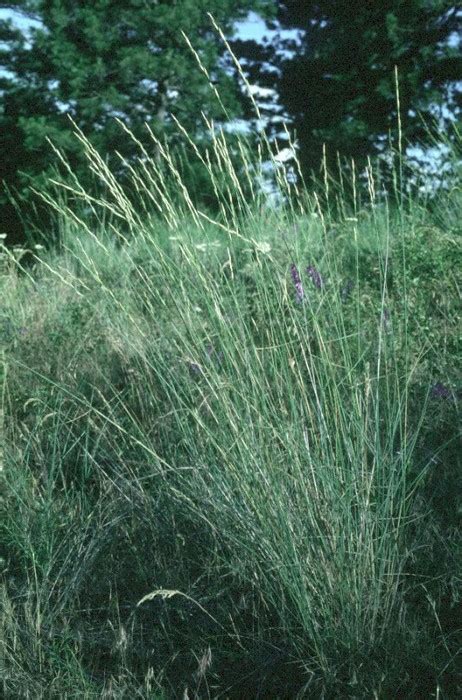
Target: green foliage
column 338, row 84
column 96, row 61
column 216, row 484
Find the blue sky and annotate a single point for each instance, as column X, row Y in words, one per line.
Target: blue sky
column 19, row 21
column 254, row 28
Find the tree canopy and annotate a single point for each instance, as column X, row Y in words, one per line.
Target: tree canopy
column 336, row 81
column 95, row 60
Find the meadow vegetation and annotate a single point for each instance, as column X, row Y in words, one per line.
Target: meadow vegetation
column 231, row 440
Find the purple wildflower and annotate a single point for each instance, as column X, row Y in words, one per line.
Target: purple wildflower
column 316, row 278
column 299, row 293
column 385, row 318
column 346, row 290
column 439, row 391
column 194, row 368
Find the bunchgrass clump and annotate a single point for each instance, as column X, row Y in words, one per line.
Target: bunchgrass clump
column 230, row 451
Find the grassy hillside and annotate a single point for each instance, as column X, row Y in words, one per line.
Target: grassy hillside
column 231, row 447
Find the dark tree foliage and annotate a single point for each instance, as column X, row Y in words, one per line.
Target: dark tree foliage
column 337, row 83
column 99, row 59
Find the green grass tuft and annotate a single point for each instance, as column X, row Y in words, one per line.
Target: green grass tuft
column 217, row 486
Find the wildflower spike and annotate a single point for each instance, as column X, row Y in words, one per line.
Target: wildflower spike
column 299, row 292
